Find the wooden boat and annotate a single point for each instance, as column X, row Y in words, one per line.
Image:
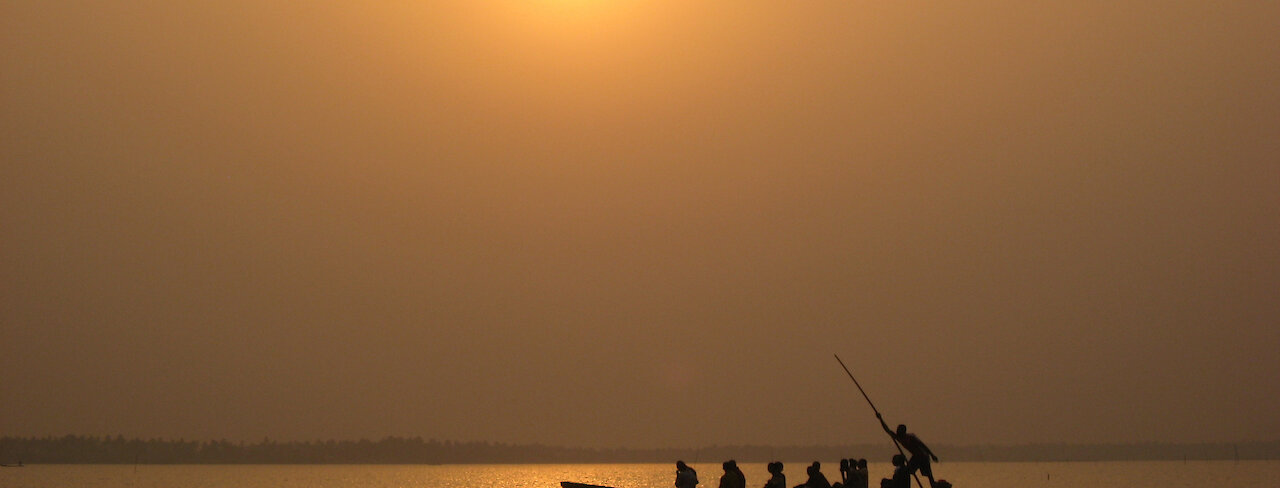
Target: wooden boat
column 570, row 484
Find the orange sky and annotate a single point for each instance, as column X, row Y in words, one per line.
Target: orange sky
column 640, row 223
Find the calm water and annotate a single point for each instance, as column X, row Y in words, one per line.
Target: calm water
column 1199, row 474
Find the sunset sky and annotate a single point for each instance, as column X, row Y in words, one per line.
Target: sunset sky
column 640, row 223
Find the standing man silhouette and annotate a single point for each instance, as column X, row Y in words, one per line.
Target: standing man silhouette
column 920, row 453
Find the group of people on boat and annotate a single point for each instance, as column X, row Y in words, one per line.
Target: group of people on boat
column 853, row 473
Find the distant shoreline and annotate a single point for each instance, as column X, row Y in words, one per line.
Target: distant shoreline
column 74, row 449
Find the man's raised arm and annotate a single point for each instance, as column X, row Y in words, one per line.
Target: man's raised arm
column 885, row 426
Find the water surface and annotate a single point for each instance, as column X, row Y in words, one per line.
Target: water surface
column 1156, row 474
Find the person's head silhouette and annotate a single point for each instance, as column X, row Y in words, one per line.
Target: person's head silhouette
column 899, row 460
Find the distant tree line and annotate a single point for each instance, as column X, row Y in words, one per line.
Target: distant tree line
column 76, row 449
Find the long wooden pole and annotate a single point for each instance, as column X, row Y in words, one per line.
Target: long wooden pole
column 877, row 411
column 859, row 385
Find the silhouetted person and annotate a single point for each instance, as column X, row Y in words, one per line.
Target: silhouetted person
column 778, row 480
column 844, row 472
column 860, row 471
column 816, row 478
column 733, row 477
column 901, row 473
column 920, row 453
column 686, row 477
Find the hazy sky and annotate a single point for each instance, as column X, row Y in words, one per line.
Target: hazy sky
column 640, row 223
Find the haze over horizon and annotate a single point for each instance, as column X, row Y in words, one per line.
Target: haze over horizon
column 640, row 223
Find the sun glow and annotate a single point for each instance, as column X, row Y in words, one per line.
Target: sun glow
column 572, row 5
column 580, row 10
